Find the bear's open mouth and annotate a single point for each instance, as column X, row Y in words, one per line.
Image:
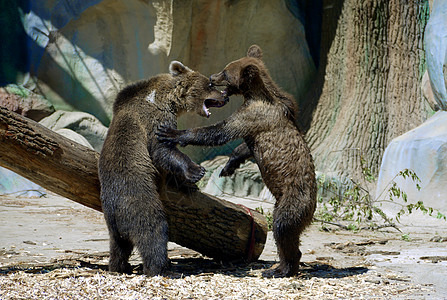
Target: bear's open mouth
column 210, row 102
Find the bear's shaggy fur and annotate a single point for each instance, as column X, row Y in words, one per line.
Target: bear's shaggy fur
column 266, row 122
column 133, row 165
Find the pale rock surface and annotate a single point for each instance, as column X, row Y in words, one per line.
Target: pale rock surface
column 427, row 92
column 266, row 196
column 423, row 150
column 75, row 137
column 86, row 51
column 436, row 51
column 86, row 129
column 245, row 182
column 11, row 183
column 24, row 102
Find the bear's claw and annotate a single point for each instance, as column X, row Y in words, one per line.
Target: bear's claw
column 194, row 174
column 228, row 170
column 166, row 134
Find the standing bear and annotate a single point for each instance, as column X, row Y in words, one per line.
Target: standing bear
column 133, row 165
column 266, row 122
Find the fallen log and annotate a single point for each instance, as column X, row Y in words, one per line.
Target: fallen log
column 209, row 225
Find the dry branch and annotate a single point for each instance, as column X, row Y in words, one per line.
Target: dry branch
column 209, row 225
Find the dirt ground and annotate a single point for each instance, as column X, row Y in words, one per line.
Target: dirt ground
column 55, row 241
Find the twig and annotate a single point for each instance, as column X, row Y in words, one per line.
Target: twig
column 361, row 228
column 332, row 223
column 381, row 226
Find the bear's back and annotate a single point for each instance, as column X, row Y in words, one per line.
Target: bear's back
column 134, row 121
column 131, row 94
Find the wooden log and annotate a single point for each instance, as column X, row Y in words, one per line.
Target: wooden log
column 209, row 225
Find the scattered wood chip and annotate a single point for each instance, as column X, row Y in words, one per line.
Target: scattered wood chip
column 438, row 239
column 434, row 259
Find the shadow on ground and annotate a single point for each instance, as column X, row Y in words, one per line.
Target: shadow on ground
column 187, row 266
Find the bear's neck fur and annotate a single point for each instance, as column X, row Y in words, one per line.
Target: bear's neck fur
column 263, row 87
column 169, row 93
column 177, row 105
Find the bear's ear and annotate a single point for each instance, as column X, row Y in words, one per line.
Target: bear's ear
column 254, row 51
column 176, row 68
column 249, row 73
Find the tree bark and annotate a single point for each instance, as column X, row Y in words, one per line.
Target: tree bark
column 211, row 226
column 372, row 71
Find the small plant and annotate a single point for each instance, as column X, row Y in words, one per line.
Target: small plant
column 395, row 192
column 268, row 216
column 406, row 237
column 351, row 206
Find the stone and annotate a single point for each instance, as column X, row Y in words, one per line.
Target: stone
column 74, row 136
column 92, row 131
column 83, row 52
column 266, row 196
column 11, row 183
column 245, row 182
column 423, row 150
column 427, row 92
column 435, row 42
column 23, row 101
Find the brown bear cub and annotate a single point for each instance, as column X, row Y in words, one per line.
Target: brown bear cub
column 133, row 164
column 266, row 122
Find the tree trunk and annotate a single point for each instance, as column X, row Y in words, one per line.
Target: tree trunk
column 372, row 65
column 211, row 226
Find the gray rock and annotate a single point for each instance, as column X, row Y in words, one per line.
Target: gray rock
column 427, row 92
column 266, row 196
column 423, row 150
column 435, row 42
column 12, row 183
column 84, row 124
column 23, row 101
column 76, row 137
column 86, row 51
column 245, row 182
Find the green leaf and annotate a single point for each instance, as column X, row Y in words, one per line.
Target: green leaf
column 406, row 237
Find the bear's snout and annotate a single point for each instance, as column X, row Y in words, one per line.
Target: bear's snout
column 218, row 79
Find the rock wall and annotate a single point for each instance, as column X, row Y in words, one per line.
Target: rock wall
column 423, row 150
column 245, row 182
column 80, row 53
column 84, row 52
column 22, row 101
column 436, row 51
column 78, row 126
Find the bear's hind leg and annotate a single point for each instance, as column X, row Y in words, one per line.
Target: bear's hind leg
column 152, row 245
column 289, row 255
column 120, row 251
column 288, row 223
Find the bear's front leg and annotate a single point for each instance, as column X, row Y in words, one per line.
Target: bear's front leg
column 214, row 135
column 169, row 158
column 169, row 135
column 239, row 155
